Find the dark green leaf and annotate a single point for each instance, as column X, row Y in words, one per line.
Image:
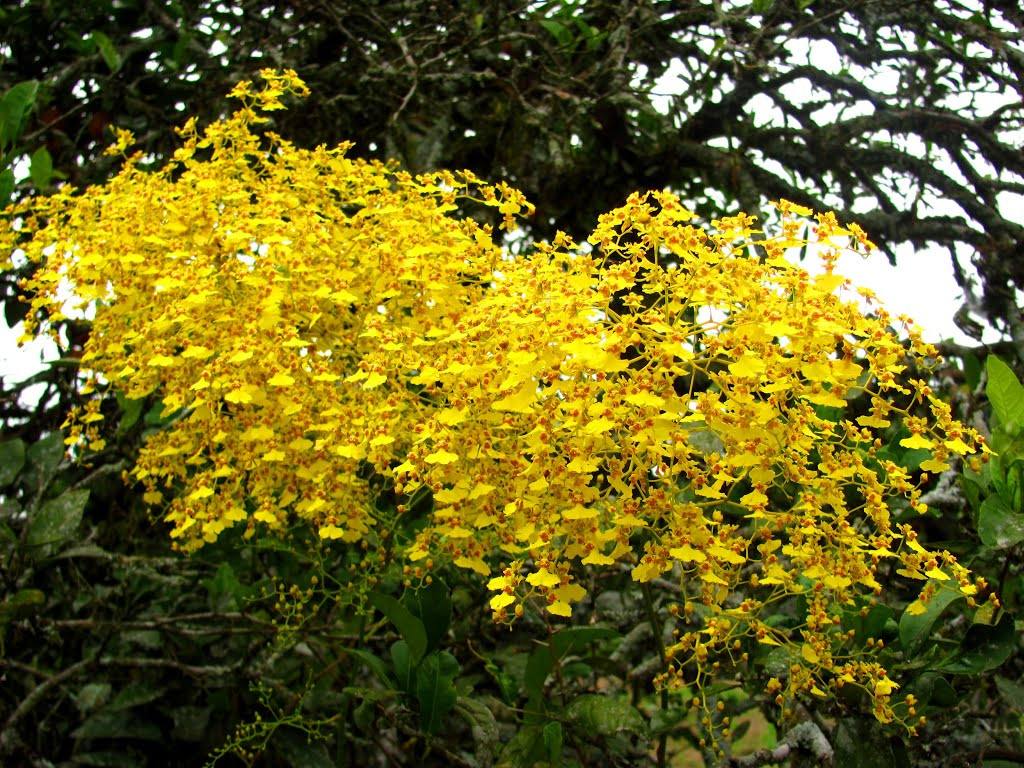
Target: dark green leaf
column 22, row 603
column 871, row 625
column 576, row 639
column 6, row 190
column 914, row 630
column 40, row 168
column 553, row 742
column 365, row 715
column 374, row 663
column 107, row 50
column 12, row 459
column 538, row 668
column 131, row 410
column 402, row 663
column 92, row 696
column 524, row 749
column 435, row 690
column 1012, row 692
column 135, row 695
column 561, row 33
column 483, row 726
column 860, row 743
column 13, row 107
column 933, row 690
column 605, row 715
column 1005, row 394
column 998, row 525
column 117, row 725
column 224, row 589
column 506, row 683
column 972, row 370
column 297, row 749
column 57, row 520
column 191, row 723
column 409, row 627
column 667, row 720
column 433, row 606
column 43, row 458
column 366, row 712
column 984, row 647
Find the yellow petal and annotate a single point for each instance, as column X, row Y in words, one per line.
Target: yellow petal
column 441, row 457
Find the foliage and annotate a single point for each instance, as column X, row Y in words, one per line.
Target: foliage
column 332, row 384
column 907, row 113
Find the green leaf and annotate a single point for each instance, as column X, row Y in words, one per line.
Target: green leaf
column 561, row 33
column 576, row 639
column 191, row 723
column 224, row 590
column 405, row 671
column 13, row 107
column 914, row 629
column 998, row 525
column 12, row 459
column 433, row 606
column 605, row 715
column 409, row 627
column 364, row 715
column 57, row 520
column 553, row 739
column 1005, row 394
column 6, row 188
column 134, row 695
column 40, row 168
column 107, row 51
column 538, row 667
column 298, row 750
column 131, row 410
column 933, row 690
column 668, row 720
column 91, row 696
column 873, row 624
column 1012, row 692
column 984, row 647
column 435, row 689
column 117, row 725
column 43, row 457
column 22, row 603
column 506, row 683
column 482, row 725
column 972, row 370
column 860, row 743
column 374, row 663
column 524, row 749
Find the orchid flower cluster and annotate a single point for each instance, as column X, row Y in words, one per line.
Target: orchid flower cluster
column 679, row 401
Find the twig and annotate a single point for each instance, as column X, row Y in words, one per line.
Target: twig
column 188, row 669
column 652, row 618
column 29, row 702
column 806, row 736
